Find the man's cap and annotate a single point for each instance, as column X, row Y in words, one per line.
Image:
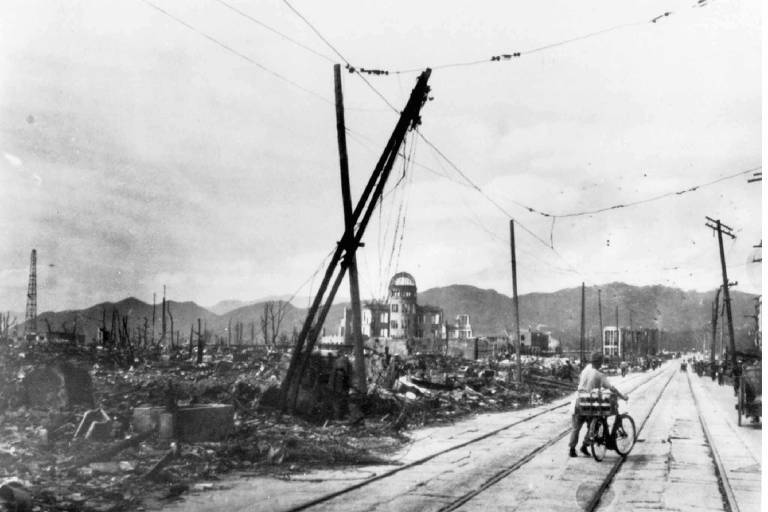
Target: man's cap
column 597, row 358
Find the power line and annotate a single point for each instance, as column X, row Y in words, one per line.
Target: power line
column 237, row 53
column 341, row 56
column 275, row 31
column 694, row 188
column 506, row 57
column 493, row 201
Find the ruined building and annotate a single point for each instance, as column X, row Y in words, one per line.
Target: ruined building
column 401, row 316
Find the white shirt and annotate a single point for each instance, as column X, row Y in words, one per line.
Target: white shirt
column 590, row 379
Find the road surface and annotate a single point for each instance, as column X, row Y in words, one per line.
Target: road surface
column 689, row 455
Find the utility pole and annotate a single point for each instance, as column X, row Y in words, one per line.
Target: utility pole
column 618, row 333
column 721, row 229
column 515, row 301
column 715, row 311
column 581, row 336
column 313, row 323
column 351, row 257
column 162, row 336
column 600, row 315
column 153, row 317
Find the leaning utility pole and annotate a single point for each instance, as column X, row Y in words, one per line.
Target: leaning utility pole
column 351, row 258
column 721, row 229
column 715, row 310
column 515, row 301
column 581, row 335
column 313, row 324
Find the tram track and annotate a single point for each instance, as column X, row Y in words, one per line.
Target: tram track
column 726, row 490
column 489, row 482
column 616, row 466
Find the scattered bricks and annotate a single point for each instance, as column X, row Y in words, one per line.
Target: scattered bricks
column 146, row 419
column 58, row 386
column 205, row 422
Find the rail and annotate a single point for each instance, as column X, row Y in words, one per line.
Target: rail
column 497, row 477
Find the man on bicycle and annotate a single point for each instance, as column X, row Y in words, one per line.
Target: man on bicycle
column 591, row 378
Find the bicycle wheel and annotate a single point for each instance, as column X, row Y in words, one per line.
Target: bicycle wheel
column 624, row 434
column 599, row 436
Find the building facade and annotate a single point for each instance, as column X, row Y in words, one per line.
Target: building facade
column 400, row 316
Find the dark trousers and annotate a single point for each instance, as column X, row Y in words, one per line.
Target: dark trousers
column 577, row 422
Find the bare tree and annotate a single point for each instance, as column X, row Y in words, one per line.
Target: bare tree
column 6, row 324
column 270, row 321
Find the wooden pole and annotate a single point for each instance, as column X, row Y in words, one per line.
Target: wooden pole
column 515, row 300
column 632, row 331
column 354, row 289
column 153, row 317
column 726, row 294
column 581, row 334
column 162, row 336
column 361, row 216
column 618, row 332
column 600, row 316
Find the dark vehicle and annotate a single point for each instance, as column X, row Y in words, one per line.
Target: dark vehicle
column 683, row 366
column 750, row 394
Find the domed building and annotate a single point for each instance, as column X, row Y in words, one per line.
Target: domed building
column 400, row 316
column 403, row 315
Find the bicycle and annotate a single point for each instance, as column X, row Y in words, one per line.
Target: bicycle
column 620, row 436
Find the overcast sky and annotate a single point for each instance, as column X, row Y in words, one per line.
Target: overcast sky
column 135, row 152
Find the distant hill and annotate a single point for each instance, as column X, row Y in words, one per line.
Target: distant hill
column 225, row 306
column 671, row 309
column 89, row 320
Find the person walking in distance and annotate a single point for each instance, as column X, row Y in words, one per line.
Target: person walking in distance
column 591, row 378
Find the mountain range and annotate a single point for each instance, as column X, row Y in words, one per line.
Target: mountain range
column 670, row 309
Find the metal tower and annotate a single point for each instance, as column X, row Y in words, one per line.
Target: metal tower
column 30, row 321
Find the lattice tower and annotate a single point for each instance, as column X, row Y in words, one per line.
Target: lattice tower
column 30, row 321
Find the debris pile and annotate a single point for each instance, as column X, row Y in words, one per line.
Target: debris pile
column 81, row 431
column 429, row 388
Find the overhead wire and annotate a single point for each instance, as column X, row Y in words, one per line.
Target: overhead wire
column 497, row 58
column 686, row 190
column 408, row 188
column 337, row 52
column 428, row 142
column 493, row 202
column 235, row 52
column 275, row 31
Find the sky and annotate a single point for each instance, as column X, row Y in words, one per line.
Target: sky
column 138, row 150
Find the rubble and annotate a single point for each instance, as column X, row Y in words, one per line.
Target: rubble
column 156, row 432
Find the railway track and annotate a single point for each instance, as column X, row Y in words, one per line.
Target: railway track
column 726, row 490
column 520, row 463
column 500, row 475
column 616, row 466
column 729, row 497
